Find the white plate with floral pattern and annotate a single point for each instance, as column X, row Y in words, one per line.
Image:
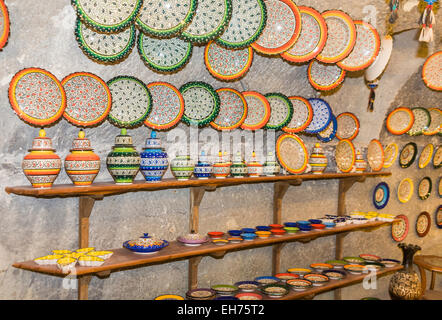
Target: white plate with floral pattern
column 325, row 77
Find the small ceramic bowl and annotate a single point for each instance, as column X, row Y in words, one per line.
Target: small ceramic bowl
column 389, row 263
column 225, row 289
column 317, row 279
column 329, row 225
column 220, row 242
column 262, row 228
column 235, row 233
column 248, row 296
column 337, row 264
column 299, row 271
column 291, row 229
column 169, row 297
column 299, row 284
column 265, row 280
column 290, row 224
column 353, row 260
column 354, row 268
column 275, row 290
column 286, row 276
column 215, row 234
column 263, row 234
column 278, row 232
column 248, row 230
column 226, row 298
column 248, row 236
column 319, row 267
column 369, row 257
column 247, row 286
column 305, row 228
column 315, row 221
column 235, row 239
column 334, row 274
column 276, row 226
column 318, row 226
column 201, row 294
column 303, row 223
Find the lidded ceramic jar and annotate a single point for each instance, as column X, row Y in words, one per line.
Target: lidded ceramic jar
column 82, row 165
column 154, row 160
column 238, row 169
column 182, row 167
column 360, row 163
column 254, row 168
column 221, row 168
column 42, row 165
column 123, row 162
column 203, row 169
column 318, row 161
column 271, row 166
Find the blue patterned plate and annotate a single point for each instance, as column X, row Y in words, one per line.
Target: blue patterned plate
column 381, row 195
column 322, row 115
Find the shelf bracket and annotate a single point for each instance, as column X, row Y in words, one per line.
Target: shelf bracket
column 193, row 272
column 218, row 255
column 196, row 196
column 276, row 257
column 83, row 287
column 85, row 206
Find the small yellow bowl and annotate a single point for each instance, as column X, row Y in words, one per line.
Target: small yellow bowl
column 263, row 234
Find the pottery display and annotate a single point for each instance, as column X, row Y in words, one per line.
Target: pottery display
column 182, row 167
column 271, row 166
column 154, row 160
column 221, row 168
column 254, row 168
column 318, row 161
column 82, row 165
column 123, row 162
column 42, row 165
column 360, row 163
column 238, row 169
column 145, row 245
column 203, row 169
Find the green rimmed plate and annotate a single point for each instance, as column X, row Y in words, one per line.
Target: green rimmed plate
column 422, row 120
column 131, row 101
column 408, row 155
column 165, row 18
column 437, row 158
column 201, row 103
column 164, row 55
column 281, row 111
column 424, row 188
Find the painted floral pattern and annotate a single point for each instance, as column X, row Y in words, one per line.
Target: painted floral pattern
column 348, row 126
column 375, row 155
column 257, row 110
column 432, row 71
column 232, row 109
column 309, row 37
column 167, row 105
column 226, row 62
column 422, row 119
column 399, row 120
column 199, row 103
column 108, row 13
column 338, row 37
column 292, row 153
column 404, row 190
column 344, row 155
column 280, row 111
column 325, row 76
column 302, row 112
column 321, row 115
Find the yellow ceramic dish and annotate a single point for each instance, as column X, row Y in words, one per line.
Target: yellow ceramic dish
column 85, row 250
column 61, row 251
column 169, row 297
column 101, row 254
column 263, row 234
column 49, row 259
column 390, row 154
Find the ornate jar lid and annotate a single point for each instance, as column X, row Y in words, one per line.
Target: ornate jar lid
column 253, row 161
column 81, row 143
column 153, row 142
column 42, row 143
column 123, row 139
column 237, row 159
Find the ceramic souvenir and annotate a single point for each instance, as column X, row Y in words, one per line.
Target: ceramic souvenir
column 375, row 155
column 426, row 156
column 292, row 153
column 42, row 165
column 271, row 166
column 221, row 168
column 82, row 164
column 437, row 158
column 325, row 77
column 238, row 169
column 408, row 155
column 318, row 160
column 123, row 162
column 399, row 228
column 400, row 120
column 258, row 110
column 405, row 190
column 381, row 195
column 193, row 239
column 431, row 71
column 203, row 169
column 182, row 167
column 345, row 156
column 329, row 133
column 435, row 126
column 254, row 168
column 281, row 111
column 232, row 110
column 145, row 245
column 390, row 154
column 423, row 224
column 424, row 188
column 4, row 25
column 154, row 160
column 422, row 120
column 322, row 115
column 360, row 163
column 348, row 126
column 438, row 217
column 302, row 115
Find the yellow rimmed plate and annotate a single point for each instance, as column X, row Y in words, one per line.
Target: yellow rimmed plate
column 390, row 154
column 405, row 190
column 169, row 297
column 345, row 155
column 426, row 155
column 292, row 153
column 375, row 155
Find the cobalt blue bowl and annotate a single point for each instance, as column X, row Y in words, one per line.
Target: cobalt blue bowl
column 248, row 230
column 235, row 233
column 291, row 224
column 262, row 228
column 315, row 221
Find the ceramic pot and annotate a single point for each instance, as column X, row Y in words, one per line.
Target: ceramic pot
column 123, row 162
column 182, row 167
column 318, row 161
column 42, row 165
column 271, row 166
column 238, row 169
column 82, row 164
column 203, row 169
column 154, row 160
column 254, row 168
column 405, row 284
column 360, row 163
column 221, row 168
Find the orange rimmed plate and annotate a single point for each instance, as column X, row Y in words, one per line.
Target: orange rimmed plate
column 232, row 111
column 325, row 77
column 302, row 115
column 345, row 155
column 432, row 71
column 292, row 153
column 4, row 24
column 347, row 126
column 400, row 120
column 375, row 155
column 258, row 111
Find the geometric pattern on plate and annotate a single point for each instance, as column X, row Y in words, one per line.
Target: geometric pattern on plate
column 408, row 155
column 400, row 120
column 375, row 155
column 399, row 229
column 345, row 155
column 423, row 224
column 348, row 126
column 302, row 115
column 421, row 122
column 405, row 190
column 4, row 24
column 390, row 154
column 232, row 110
column 323, row 76
column 437, row 159
column 258, row 111
column 424, row 188
column 292, row 153
column 329, row 133
column 432, row 71
column 281, row 111
column 426, row 155
column 435, row 126
column 381, row 194
column 322, row 115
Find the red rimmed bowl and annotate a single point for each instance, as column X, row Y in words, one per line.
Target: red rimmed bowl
column 286, row 276
column 248, row 296
column 278, row 232
column 215, row 234
column 317, row 279
column 318, row 226
column 299, row 284
column 370, row 257
column 276, row 226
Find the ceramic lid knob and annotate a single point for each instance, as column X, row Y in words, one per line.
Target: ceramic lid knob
column 42, row 133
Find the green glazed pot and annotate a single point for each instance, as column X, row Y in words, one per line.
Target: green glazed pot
column 182, row 167
column 238, row 169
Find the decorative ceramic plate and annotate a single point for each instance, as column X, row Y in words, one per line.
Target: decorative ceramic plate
column 102, row 47
column 164, row 55
column 381, row 61
column 4, row 24
column 348, row 126
column 227, row 64
column 131, row 101
column 37, row 96
column 438, row 215
column 329, row 133
column 345, row 155
column 421, row 122
column 107, row 16
column 145, row 249
column 399, row 229
column 400, row 120
column 440, row 187
column 246, row 25
column 258, row 111
column 426, row 155
column 432, row 71
column 201, row 103
column 390, row 154
column 312, row 38
column 424, row 188
column 408, row 155
column 323, row 76
column 366, row 48
column 341, row 36
column 209, row 22
column 193, row 239
column 282, row 28
column 292, row 153
column 435, row 126
column 423, row 224
column 405, row 190
column 322, row 115
column 160, row 18
column 232, row 110
column 88, row 99
column 375, row 155
column 281, row 111
column 381, row 195
column 302, row 115
column 169, row 297
column 167, row 106
column 437, row 159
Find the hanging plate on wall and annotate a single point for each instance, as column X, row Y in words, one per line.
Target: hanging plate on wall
column 329, row 133
column 405, row 190
column 375, row 155
column 348, row 126
column 440, row 187
column 322, row 115
column 292, row 153
column 232, row 110
column 432, row 71
column 438, row 216
column 324, row 77
column 437, row 159
column 345, row 155
column 390, row 154
column 302, row 115
column 246, row 25
column 88, row 99
column 424, row 188
column 426, row 155
column 435, row 126
column 160, row 18
column 4, row 24
column 378, row 66
column 400, row 120
column 282, row 28
column 423, row 224
column 281, row 111
column 421, row 122
column 399, row 229
column 408, row 155
column 258, row 111
column 381, row 195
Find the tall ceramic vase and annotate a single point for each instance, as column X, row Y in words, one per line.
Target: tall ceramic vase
column 405, row 284
column 318, row 160
column 154, row 160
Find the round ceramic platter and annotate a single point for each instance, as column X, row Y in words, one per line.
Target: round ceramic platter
column 210, row 21
column 37, row 96
column 437, row 158
column 435, row 126
column 322, row 115
column 438, row 216
column 169, row 297
column 107, row 16
column 424, row 188
column 4, row 24
column 421, row 122
column 348, row 126
column 329, row 133
column 131, row 101
column 405, row 190
column 341, row 36
column 426, row 156
column 168, row 18
column 381, row 195
column 232, row 110
column 399, row 229
column 281, row 111
column 366, row 48
column 312, row 38
column 345, row 155
column 432, row 71
column 302, row 115
column 440, row 187
column 423, row 224
column 167, row 106
column 102, row 47
column 400, row 120
column 381, row 61
column 408, row 155
column 201, row 103
column 390, row 154
column 292, row 153
column 258, row 111
column 164, row 55
column 88, row 99
column 324, row 77
column 227, row 64
column 246, row 24
column 375, row 155
column 282, row 28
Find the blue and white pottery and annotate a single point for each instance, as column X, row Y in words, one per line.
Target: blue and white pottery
column 154, row 160
column 203, row 169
